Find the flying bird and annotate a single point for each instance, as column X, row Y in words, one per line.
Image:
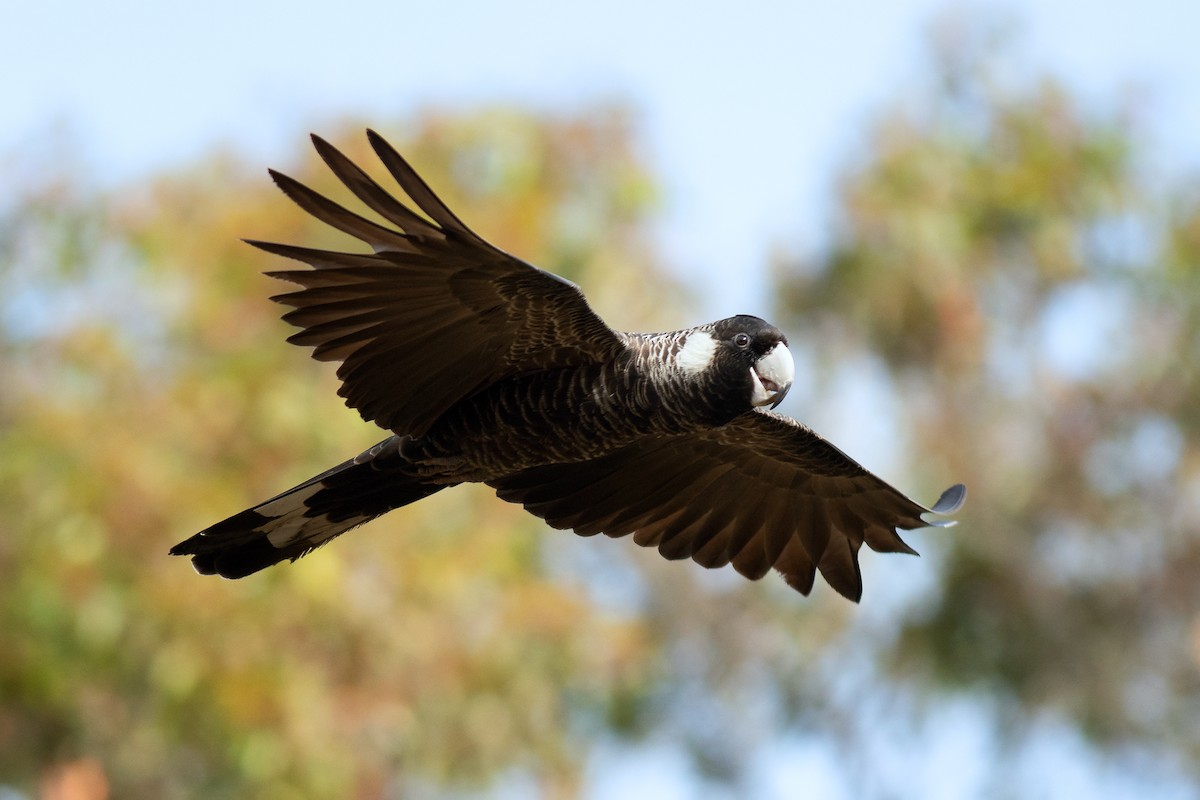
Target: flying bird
column 487, row 369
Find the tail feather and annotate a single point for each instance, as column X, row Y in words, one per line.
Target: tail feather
column 306, row 516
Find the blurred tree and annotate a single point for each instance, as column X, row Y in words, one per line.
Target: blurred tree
column 1031, row 288
column 1004, row 270
column 147, row 393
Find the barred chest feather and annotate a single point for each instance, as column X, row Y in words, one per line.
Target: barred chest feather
column 569, row 415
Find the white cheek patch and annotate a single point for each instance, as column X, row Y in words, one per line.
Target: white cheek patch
column 697, row 352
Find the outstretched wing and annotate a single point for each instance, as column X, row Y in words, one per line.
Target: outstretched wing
column 761, row 492
column 435, row 313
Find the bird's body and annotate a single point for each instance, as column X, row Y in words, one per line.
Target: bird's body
column 577, row 414
column 489, row 370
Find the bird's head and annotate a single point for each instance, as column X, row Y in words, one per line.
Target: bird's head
column 745, row 359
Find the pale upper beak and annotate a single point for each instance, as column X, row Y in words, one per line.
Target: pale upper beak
column 772, row 375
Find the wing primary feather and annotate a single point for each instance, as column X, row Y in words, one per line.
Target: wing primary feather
column 371, row 193
column 839, row 566
column 322, row 296
column 334, row 215
column 715, row 552
column 796, row 567
column 320, row 278
column 336, row 317
column 650, row 534
column 776, row 524
column 884, row 540
column 753, row 530
column 813, row 528
column 320, row 259
column 751, row 558
column 653, row 510
column 573, row 500
column 846, row 520
column 334, row 337
column 416, row 188
column 651, row 507
column 690, row 532
column 737, row 546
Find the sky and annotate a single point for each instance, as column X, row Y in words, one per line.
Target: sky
column 747, row 113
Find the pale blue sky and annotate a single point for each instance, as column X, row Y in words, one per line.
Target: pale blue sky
column 747, row 112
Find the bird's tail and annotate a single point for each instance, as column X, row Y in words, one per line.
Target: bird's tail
column 307, row 516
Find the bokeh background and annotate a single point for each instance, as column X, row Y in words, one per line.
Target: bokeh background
column 979, row 225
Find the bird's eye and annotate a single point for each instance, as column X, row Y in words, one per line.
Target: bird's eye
column 742, row 340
